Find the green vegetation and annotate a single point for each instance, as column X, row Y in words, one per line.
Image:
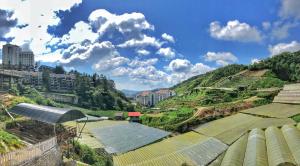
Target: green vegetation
column 286, row 66
column 97, row 92
column 168, row 118
column 208, row 79
column 9, row 142
column 296, row 118
column 90, row 156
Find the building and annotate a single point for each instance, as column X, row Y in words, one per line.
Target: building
column 14, row 58
column 150, row 98
column 134, row 116
column 63, row 98
column 62, row 82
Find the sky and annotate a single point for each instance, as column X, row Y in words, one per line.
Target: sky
column 147, row 44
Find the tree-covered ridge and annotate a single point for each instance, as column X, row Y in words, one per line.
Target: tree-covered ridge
column 208, row 79
column 97, row 92
column 285, row 66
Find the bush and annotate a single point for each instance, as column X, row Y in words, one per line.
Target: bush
column 88, row 155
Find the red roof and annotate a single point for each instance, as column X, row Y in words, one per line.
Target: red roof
column 134, row 114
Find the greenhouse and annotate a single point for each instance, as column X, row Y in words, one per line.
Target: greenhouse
column 51, row 115
column 125, row 137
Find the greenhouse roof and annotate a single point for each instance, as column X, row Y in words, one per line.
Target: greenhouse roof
column 125, row 137
column 46, row 114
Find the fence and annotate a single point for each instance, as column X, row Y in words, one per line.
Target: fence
column 21, row 156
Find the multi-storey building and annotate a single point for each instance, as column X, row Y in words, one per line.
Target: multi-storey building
column 14, row 58
column 150, row 98
column 62, row 82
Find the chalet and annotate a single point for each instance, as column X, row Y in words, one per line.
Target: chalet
column 134, row 116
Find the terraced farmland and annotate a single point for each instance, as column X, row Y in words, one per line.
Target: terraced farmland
column 189, row 148
column 228, row 129
column 276, row 110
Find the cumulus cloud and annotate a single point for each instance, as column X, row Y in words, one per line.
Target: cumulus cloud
column 80, row 32
column 255, row 60
column 168, row 37
column 180, row 65
column 138, row 63
column 6, row 21
column 182, row 69
column 128, row 23
column 280, row 29
column 221, row 58
column 37, row 20
column 142, row 52
column 284, row 47
column 290, row 8
column 110, row 63
column 235, row 31
column 166, row 52
column 143, row 42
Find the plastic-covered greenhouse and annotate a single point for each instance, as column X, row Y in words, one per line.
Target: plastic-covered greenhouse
column 52, row 115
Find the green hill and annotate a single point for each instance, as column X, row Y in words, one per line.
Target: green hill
column 227, row 90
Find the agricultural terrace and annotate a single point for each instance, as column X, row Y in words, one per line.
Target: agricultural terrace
column 189, row 148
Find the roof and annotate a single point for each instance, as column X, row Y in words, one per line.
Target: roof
column 290, row 94
column 125, row 137
column 273, row 146
column 186, row 149
column 134, row 114
column 46, row 114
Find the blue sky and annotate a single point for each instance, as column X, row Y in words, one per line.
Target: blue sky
column 145, row 44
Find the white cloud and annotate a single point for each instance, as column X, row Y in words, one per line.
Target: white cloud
column 168, row 37
column 110, row 63
column 255, row 60
column 290, row 8
column 166, row 52
column 221, row 58
column 143, row 42
column 138, row 63
column 142, row 52
column 130, row 23
column 38, row 17
column 121, row 71
column 80, row 32
column 284, row 47
column 266, row 25
column 235, row 31
column 180, row 65
column 182, row 69
column 280, row 30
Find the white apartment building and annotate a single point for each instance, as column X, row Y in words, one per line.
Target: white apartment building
column 14, row 58
column 150, row 98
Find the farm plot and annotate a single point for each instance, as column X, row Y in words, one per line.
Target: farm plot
column 125, row 137
column 275, row 110
column 228, row 129
column 267, row 122
column 190, row 148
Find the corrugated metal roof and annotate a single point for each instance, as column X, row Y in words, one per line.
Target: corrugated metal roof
column 125, row 137
column 46, row 114
column 134, row 114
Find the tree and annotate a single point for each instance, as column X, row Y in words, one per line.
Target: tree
column 59, row 70
column 46, row 79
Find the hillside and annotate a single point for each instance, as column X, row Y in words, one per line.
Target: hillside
column 283, row 67
column 226, row 90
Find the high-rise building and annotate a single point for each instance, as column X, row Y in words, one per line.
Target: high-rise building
column 14, row 58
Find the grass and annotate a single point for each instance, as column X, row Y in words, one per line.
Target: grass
column 9, row 142
column 296, row 118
